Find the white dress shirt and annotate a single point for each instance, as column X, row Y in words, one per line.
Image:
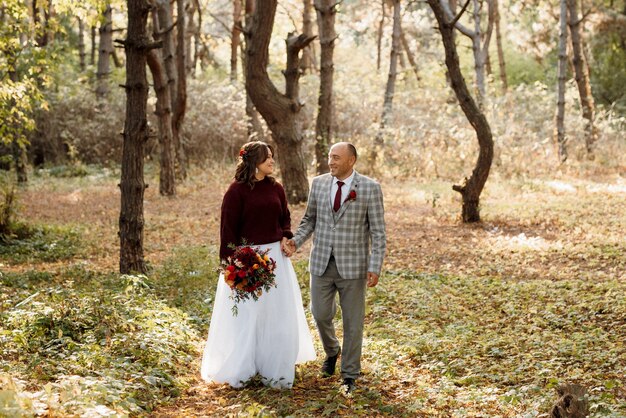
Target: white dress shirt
column 345, row 189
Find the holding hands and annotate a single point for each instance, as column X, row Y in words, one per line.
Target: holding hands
column 288, row 246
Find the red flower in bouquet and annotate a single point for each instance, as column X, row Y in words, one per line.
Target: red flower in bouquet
column 351, row 196
column 248, row 272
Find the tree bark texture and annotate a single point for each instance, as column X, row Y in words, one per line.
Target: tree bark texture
column 132, row 185
column 81, row 44
column 581, row 71
column 471, row 189
column 167, row 177
column 561, row 138
column 280, row 111
column 307, row 63
column 235, row 39
column 180, row 106
column 396, row 48
column 326, row 11
column 501, row 63
column 104, row 54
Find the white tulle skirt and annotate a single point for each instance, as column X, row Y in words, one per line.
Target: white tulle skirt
column 267, row 337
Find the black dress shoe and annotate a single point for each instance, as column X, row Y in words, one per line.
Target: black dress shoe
column 328, row 368
column 349, row 385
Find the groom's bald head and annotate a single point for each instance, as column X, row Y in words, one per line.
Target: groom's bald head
column 347, row 147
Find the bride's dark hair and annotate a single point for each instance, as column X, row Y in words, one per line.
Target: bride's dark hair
column 251, row 155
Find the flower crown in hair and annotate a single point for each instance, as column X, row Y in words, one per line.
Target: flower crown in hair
column 243, row 153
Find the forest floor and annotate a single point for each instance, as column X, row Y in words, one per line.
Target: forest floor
column 468, row 320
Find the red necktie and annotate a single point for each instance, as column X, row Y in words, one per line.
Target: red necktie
column 337, row 203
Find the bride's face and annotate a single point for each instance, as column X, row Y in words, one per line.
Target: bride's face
column 267, row 167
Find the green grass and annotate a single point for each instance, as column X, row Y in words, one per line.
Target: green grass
column 89, row 341
column 519, row 338
column 42, row 243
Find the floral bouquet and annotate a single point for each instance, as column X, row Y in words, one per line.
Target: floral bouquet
column 248, row 272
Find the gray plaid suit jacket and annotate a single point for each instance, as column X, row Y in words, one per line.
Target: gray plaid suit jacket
column 349, row 233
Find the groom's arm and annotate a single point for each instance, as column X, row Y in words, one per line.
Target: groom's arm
column 376, row 217
column 307, row 224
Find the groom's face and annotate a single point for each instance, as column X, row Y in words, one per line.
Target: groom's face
column 340, row 161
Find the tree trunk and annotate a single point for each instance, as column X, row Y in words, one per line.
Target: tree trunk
column 116, row 61
column 410, row 56
column 167, row 177
column 307, row 62
column 379, row 42
column 581, row 71
column 480, row 44
column 280, row 111
column 181, row 92
column 81, row 44
column 92, row 61
column 104, row 56
column 235, row 40
column 501, row 63
column 197, row 44
column 166, row 34
column 255, row 127
column 326, row 10
column 43, row 33
column 479, row 56
column 19, row 157
column 132, row 183
column 472, row 188
column 379, row 141
column 189, row 34
column 561, row 138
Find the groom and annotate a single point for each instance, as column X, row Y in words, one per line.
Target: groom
column 346, row 216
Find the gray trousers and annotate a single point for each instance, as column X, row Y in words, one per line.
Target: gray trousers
column 352, row 301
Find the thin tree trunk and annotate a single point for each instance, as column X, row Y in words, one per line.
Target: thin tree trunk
column 280, row 111
column 379, row 42
column 480, row 44
column 581, row 71
column 20, row 159
column 104, row 56
column 235, row 40
column 306, row 63
column 501, row 63
column 197, row 42
column 92, row 61
column 181, row 91
column 132, row 185
column 479, row 57
column 116, row 61
column 326, row 10
column 167, row 177
column 561, row 138
column 255, row 127
column 472, row 188
column 81, row 44
column 410, row 57
column 379, row 141
column 189, row 34
column 166, row 34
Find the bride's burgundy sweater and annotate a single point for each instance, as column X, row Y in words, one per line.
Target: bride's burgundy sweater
column 254, row 216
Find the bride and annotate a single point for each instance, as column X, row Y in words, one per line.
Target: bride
column 269, row 336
